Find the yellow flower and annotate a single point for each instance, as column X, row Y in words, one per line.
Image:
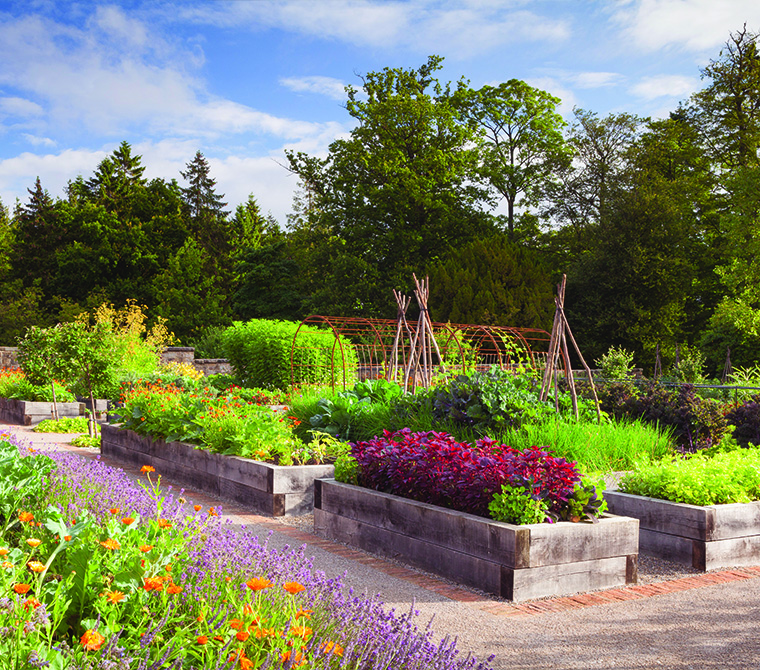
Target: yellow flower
column 34, row 542
column 35, row 566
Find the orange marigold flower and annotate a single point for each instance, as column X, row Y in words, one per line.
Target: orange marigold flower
column 92, row 640
column 331, row 647
column 114, row 597
column 202, row 639
column 34, row 542
column 298, row 658
column 153, row 583
column 7, row 564
column 147, row 468
column 163, row 523
column 32, row 603
column 305, row 614
column 127, row 520
column 242, row 635
column 25, row 516
column 247, row 609
column 36, row 566
column 21, row 589
column 67, row 538
column 111, row 544
column 115, row 510
column 174, row 588
column 218, row 638
column 3, row 551
column 236, row 624
column 258, row 583
column 300, row 631
column 197, row 508
column 293, row 587
column 168, row 567
column 145, row 548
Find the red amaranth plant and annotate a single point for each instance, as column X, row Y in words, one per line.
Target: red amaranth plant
column 435, row 468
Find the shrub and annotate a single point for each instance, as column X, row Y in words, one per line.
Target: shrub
column 696, row 423
column 435, row 468
column 745, row 419
column 616, row 364
column 515, row 504
column 260, row 353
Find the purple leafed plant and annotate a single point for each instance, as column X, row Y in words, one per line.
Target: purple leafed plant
column 435, row 468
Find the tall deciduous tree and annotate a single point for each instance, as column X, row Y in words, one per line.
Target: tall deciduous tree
column 521, row 140
column 398, row 194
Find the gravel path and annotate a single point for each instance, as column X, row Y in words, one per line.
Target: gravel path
column 710, row 627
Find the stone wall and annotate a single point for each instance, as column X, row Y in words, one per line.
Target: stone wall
column 213, row 366
column 178, row 355
column 8, row 357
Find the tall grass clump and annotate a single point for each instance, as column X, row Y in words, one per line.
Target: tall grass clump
column 597, row 447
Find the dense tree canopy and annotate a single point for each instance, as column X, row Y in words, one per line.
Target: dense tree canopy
column 655, row 222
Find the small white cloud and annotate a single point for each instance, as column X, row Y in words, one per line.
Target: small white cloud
column 327, row 86
column 695, row 25
column 13, row 106
column 665, row 85
column 596, row 79
column 39, row 141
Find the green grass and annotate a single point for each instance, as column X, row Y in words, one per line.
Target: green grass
column 598, row 448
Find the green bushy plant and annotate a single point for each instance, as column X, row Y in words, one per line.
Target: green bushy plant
column 515, row 504
column 347, row 469
column 726, row 477
column 209, row 343
column 64, row 425
column 616, row 364
column 690, row 367
column 260, row 352
column 23, row 389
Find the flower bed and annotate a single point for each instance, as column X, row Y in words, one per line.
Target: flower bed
column 711, row 517
column 423, row 498
column 513, row 562
column 270, row 489
column 99, row 572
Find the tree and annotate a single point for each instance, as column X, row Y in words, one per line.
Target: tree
column 206, row 208
column 576, row 199
column 492, row 281
column 398, row 194
column 266, row 289
column 728, row 108
column 521, row 140
column 187, row 296
column 647, row 277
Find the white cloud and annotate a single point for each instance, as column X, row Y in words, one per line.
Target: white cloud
column 39, row 141
column 695, row 25
column 99, row 79
column 327, row 86
column 665, row 85
column 596, row 79
column 13, row 106
column 463, row 28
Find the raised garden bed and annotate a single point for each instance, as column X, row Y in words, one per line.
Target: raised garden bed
column 707, row 538
column 514, row 562
column 30, row 413
column 275, row 490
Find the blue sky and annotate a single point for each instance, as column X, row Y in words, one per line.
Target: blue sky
column 244, row 80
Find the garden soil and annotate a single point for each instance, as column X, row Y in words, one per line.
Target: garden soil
column 714, row 624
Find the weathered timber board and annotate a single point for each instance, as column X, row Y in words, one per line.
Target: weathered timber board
column 706, row 538
column 461, row 546
column 30, row 413
column 263, row 487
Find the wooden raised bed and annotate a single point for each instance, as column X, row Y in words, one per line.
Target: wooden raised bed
column 514, row 562
column 30, row 413
column 275, row 490
column 710, row 537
